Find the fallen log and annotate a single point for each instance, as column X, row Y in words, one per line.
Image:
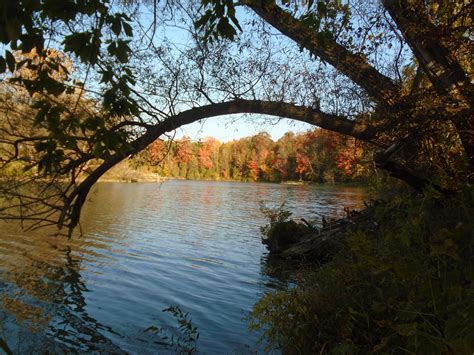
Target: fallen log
column 298, row 241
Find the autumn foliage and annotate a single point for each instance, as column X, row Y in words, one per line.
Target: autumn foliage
column 317, row 156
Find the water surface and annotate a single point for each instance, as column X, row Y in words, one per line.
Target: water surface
column 145, row 247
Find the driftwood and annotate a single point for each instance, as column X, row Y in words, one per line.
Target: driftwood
column 313, row 244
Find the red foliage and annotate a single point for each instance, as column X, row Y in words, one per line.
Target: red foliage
column 303, row 164
column 316, row 155
column 184, row 150
column 348, row 157
column 158, row 150
column 206, row 152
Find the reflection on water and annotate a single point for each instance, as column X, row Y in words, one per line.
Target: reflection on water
column 145, row 247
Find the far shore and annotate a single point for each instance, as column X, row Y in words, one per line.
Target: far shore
column 151, row 177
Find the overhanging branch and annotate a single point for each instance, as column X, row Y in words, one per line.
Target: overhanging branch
column 75, row 200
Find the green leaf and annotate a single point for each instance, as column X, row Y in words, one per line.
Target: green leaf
column 112, row 48
column 122, row 51
column 54, row 87
column 128, row 29
column 116, row 26
column 79, row 44
column 3, row 65
column 203, row 20
column 97, row 150
column 10, row 60
column 225, row 29
column 107, row 76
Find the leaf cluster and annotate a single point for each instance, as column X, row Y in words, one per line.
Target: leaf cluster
column 275, row 216
column 218, row 21
column 89, row 30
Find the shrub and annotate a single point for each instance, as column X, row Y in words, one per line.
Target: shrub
column 405, row 287
column 281, row 231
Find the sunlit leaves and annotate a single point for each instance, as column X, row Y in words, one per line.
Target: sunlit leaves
column 94, row 34
column 22, row 29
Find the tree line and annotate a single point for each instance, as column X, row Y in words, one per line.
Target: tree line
column 315, row 156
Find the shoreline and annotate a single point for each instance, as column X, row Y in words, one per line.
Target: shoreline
column 161, row 179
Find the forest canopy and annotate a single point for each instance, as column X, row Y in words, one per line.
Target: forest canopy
column 87, row 84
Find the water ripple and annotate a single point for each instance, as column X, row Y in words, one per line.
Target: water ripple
column 145, row 247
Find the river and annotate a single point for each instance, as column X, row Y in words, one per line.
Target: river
column 145, row 247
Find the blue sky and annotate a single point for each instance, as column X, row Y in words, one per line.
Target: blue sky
column 227, row 128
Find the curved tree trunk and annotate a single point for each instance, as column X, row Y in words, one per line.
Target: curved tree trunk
column 439, row 64
column 74, row 201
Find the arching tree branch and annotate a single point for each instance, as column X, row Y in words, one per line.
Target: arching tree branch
column 71, row 212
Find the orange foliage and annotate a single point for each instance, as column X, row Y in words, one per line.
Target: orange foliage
column 316, row 155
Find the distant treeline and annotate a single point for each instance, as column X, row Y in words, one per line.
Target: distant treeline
column 317, row 156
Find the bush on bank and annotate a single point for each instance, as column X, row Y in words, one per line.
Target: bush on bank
column 405, row 287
